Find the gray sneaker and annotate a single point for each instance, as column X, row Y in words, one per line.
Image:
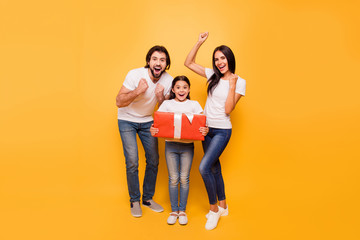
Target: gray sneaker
column 153, row 205
column 135, row 209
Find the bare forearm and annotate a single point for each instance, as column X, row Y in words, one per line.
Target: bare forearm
column 190, row 59
column 160, row 99
column 230, row 100
column 124, row 99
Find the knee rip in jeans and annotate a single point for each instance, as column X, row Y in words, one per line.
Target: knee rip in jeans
column 184, row 180
column 174, row 181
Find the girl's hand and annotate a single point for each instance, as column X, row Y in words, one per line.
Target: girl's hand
column 203, row 36
column 204, row 130
column 153, row 130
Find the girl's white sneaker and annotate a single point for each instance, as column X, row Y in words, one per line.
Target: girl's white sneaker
column 172, row 218
column 183, row 218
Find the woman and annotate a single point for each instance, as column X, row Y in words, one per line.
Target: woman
column 224, row 91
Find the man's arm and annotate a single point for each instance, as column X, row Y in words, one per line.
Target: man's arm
column 126, row 96
column 159, row 93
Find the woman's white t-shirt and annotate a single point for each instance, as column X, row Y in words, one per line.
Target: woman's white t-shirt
column 215, row 102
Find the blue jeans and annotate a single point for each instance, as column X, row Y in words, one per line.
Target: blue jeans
column 210, row 168
column 128, row 131
column 179, row 157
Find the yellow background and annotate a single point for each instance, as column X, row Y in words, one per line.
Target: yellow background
column 291, row 168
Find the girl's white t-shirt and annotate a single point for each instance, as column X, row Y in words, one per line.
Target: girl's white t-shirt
column 188, row 106
column 215, row 102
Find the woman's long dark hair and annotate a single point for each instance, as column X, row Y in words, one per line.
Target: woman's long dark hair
column 215, row 78
column 176, row 79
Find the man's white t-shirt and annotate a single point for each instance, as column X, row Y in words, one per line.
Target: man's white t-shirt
column 142, row 108
column 215, row 102
column 188, row 106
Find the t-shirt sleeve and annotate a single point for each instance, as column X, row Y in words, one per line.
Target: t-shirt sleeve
column 131, row 81
column 240, row 86
column 209, row 72
column 197, row 108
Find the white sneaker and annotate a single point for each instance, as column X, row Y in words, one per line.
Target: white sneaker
column 224, row 212
column 183, row 218
column 213, row 218
column 172, row 218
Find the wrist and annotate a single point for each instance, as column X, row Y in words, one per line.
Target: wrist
column 199, row 43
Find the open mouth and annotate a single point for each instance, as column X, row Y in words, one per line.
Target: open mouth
column 157, row 70
column 222, row 67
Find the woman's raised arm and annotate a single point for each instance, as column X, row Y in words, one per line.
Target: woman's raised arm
column 190, row 59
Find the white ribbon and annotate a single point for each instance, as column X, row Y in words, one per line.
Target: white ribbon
column 177, row 123
column 189, row 116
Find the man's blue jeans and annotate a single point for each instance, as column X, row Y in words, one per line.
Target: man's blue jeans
column 128, row 131
column 179, row 157
column 210, row 168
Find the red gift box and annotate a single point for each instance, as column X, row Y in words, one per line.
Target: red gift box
column 179, row 125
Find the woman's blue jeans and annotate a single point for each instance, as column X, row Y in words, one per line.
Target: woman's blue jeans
column 179, row 157
column 210, row 168
column 128, row 131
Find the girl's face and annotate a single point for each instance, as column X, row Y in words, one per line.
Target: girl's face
column 221, row 62
column 181, row 90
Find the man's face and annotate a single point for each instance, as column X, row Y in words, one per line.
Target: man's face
column 157, row 64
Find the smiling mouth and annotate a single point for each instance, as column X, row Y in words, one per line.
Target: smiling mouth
column 157, row 69
column 221, row 67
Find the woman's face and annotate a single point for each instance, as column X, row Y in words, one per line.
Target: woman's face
column 221, row 62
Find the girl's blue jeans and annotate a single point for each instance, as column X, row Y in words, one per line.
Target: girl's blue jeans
column 179, row 157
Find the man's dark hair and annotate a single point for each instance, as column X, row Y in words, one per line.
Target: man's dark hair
column 158, row 48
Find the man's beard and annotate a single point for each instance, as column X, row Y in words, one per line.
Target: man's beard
column 153, row 74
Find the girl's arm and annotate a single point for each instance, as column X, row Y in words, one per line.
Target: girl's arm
column 190, row 59
column 232, row 97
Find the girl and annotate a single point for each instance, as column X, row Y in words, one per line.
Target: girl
column 179, row 153
column 224, row 91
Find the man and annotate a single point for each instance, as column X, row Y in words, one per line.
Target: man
column 142, row 89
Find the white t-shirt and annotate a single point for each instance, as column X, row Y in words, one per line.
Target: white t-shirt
column 188, row 106
column 215, row 102
column 142, row 108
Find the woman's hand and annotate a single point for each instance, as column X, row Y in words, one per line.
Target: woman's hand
column 204, row 130
column 233, row 79
column 153, row 130
column 203, row 36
